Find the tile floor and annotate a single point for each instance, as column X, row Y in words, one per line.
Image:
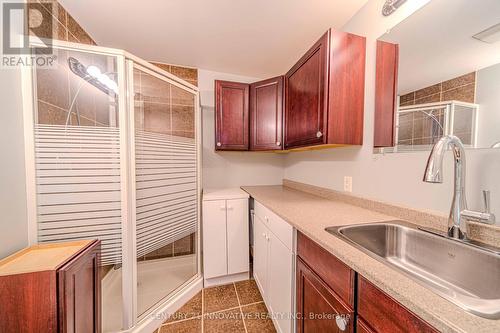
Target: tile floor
column 236, row 307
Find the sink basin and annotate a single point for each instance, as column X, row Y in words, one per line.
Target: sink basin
column 464, row 274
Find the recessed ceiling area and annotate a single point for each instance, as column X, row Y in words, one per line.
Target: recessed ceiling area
column 257, row 38
column 437, row 44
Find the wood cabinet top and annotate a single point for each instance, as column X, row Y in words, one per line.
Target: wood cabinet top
column 42, row 257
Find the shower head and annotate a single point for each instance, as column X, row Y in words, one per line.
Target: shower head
column 94, row 76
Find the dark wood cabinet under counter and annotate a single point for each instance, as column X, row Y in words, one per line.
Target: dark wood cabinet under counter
column 51, row 288
column 326, row 290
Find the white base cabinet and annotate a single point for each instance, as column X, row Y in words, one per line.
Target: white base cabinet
column 274, row 265
column 225, row 236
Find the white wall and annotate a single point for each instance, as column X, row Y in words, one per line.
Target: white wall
column 392, row 177
column 13, row 219
column 231, row 169
column 488, row 98
column 13, row 216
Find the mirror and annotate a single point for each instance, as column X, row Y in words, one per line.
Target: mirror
column 446, row 76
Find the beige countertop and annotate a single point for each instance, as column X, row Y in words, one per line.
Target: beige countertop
column 311, row 214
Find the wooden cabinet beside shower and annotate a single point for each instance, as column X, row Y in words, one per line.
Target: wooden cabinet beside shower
column 56, row 288
column 225, row 236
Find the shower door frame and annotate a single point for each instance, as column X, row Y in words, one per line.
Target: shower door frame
column 125, row 63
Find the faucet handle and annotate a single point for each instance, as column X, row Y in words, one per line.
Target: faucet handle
column 486, row 198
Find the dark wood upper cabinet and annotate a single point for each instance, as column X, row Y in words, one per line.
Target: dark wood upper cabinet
column 347, row 89
column 266, row 114
column 231, row 115
column 324, row 93
column 306, row 97
column 385, row 93
column 320, row 101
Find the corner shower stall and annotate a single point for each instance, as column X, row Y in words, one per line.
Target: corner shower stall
column 113, row 153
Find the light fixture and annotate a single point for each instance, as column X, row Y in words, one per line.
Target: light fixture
column 490, row 35
column 93, row 75
column 96, row 73
column 390, row 6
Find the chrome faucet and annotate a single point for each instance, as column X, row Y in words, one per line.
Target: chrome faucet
column 434, row 174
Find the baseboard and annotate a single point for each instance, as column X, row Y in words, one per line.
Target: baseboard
column 169, row 307
column 220, row 280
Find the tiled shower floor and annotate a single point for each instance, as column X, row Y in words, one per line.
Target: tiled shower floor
column 236, row 307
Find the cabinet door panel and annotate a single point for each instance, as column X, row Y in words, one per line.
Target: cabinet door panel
column 280, row 283
column 346, row 88
column 231, row 115
column 260, row 249
column 79, row 309
column 384, row 314
column 237, row 236
column 318, row 305
column 363, row 327
column 214, row 238
column 385, row 93
column 306, row 97
column 266, row 114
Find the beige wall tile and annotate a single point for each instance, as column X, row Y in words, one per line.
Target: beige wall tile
column 459, row 81
column 463, row 93
column 77, row 31
column 431, row 90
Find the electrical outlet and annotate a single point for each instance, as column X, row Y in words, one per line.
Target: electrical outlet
column 348, row 183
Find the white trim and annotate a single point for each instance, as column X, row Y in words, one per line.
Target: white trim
column 225, row 279
column 169, row 306
column 127, row 248
column 198, row 140
column 437, row 104
column 27, row 82
column 160, row 76
column 131, row 197
column 160, row 71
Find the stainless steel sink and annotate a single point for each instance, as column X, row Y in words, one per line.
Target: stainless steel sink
column 464, row 274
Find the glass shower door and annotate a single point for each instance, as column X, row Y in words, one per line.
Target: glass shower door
column 78, row 162
column 166, row 186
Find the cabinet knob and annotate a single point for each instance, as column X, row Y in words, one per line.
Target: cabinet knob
column 278, row 143
column 341, row 322
column 219, row 144
column 319, row 134
column 229, row 208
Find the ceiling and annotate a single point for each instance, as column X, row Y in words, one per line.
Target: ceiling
column 258, row 38
column 436, row 42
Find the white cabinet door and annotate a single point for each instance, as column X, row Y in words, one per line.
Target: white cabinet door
column 280, row 280
column 214, row 238
column 260, row 251
column 237, row 236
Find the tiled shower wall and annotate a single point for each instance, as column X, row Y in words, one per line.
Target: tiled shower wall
column 461, row 88
column 56, row 87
